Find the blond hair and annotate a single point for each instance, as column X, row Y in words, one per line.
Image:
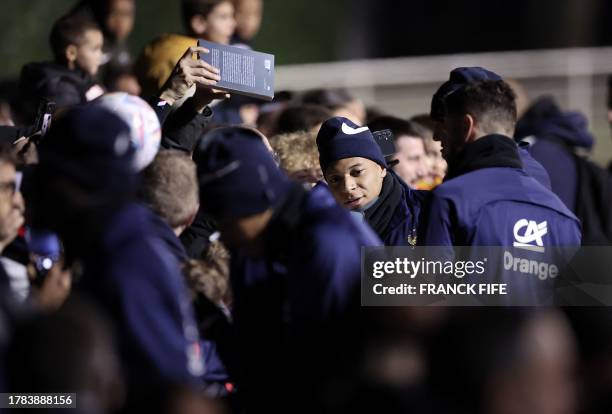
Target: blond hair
column 170, row 187
column 296, row 151
column 209, row 276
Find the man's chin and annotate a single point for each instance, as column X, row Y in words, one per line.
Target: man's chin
column 355, row 204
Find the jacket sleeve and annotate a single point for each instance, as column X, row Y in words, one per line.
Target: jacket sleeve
column 196, row 238
column 330, row 273
column 155, row 319
column 436, row 224
column 181, row 128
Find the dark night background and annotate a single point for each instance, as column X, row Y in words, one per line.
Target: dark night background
column 403, row 28
column 302, row 31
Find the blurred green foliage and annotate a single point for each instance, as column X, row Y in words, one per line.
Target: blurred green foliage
column 296, row 31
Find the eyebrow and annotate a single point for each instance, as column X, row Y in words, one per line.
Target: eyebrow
column 333, row 170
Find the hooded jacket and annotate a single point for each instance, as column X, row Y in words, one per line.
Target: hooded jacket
column 52, row 81
column 293, row 306
column 554, row 135
column 487, row 199
column 486, row 192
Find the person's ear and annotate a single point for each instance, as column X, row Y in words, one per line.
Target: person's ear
column 610, row 116
column 71, row 54
column 468, row 126
column 198, row 24
column 383, row 172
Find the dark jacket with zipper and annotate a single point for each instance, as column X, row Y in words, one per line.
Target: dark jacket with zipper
column 293, row 306
column 486, row 192
column 394, row 215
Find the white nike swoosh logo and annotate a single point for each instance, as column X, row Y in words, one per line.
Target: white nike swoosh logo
column 352, row 131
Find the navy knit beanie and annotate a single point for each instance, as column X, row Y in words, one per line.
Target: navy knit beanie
column 237, row 174
column 90, row 145
column 459, row 78
column 340, row 138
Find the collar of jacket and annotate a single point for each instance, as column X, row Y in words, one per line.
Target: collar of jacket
column 489, row 151
column 380, row 214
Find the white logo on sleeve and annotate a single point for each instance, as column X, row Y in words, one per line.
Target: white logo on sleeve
column 352, row 131
column 528, row 234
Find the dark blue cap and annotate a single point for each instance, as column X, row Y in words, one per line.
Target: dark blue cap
column 459, row 78
column 237, row 174
column 91, row 146
column 340, row 138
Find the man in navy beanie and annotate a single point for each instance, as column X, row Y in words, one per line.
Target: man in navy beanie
column 488, row 197
column 295, row 270
column 358, row 177
column 465, row 76
column 83, row 189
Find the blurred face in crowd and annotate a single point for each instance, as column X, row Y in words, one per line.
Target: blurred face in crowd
column 248, row 18
column 353, row 110
column 245, row 233
column 309, row 176
column 452, row 135
column 220, row 23
column 412, row 167
column 355, row 181
column 87, row 55
column 543, row 382
column 128, row 83
column 437, row 164
column 11, row 203
column 120, row 18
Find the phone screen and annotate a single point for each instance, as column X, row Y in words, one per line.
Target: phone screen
column 384, row 139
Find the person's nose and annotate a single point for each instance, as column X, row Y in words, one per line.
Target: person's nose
column 18, row 202
column 422, row 168
column 349, row 184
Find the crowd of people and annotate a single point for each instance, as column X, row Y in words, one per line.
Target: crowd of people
column 170, row 248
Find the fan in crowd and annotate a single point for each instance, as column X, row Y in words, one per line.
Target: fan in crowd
column 186, row 251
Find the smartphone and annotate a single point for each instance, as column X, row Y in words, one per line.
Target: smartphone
column 45, row 252
column 44, row 115
column 384, row 139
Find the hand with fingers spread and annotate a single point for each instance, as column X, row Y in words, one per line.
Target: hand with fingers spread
column 188, row 72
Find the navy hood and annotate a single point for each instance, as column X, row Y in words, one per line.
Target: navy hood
column 51, row 81
column 545, row 119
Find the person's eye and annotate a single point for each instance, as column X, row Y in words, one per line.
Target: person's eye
column 333, row 179
column 356, row 173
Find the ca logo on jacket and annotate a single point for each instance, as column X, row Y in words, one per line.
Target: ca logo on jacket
column 528, row 234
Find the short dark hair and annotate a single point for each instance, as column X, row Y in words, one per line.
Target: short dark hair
column 490, row 102
column 69, row 30
column 332, row 99
column 426, row 121
column 301, row 118
column 398, row 126
column 190, row 8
